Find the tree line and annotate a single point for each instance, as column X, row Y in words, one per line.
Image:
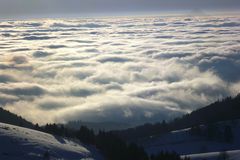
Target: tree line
column 110, row 145
column 11, row 118
column 214, row 132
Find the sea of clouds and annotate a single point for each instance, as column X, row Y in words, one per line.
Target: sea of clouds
column 136, row 70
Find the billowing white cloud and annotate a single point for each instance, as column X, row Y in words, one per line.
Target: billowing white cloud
column 127, row 69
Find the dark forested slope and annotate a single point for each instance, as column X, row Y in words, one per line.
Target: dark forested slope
column 10, row 118
column 226, row 109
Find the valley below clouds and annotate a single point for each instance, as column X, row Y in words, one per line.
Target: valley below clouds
column 131, row 70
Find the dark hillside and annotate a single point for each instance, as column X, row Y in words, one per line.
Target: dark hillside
column 10, row 118
column 226, row 109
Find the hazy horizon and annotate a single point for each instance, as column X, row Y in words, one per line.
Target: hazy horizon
column 13, row 9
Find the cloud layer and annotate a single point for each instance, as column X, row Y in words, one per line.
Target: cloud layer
column 136, row 70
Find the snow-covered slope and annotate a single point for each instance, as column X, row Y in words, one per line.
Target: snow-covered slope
column 232, row 155
column 197, row 147
column 17, row 143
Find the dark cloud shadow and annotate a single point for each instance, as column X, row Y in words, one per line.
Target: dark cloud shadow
column 56, row 46
column 4, row 78
column 82, row 92
column 33, row 38
column 6, row 99
column 86, row 25
column 24, row 91
column 19, row 59
column 51, row 105
column 227, row 69
column 160, row 24
column 41, row 54
column 6, row 26
column 172, row 55
column 20, row 50
column 226, row 24
column 185, row 42
column 31, row 24
column 114, row 60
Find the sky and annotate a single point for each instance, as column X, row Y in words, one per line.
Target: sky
column 45, row 8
